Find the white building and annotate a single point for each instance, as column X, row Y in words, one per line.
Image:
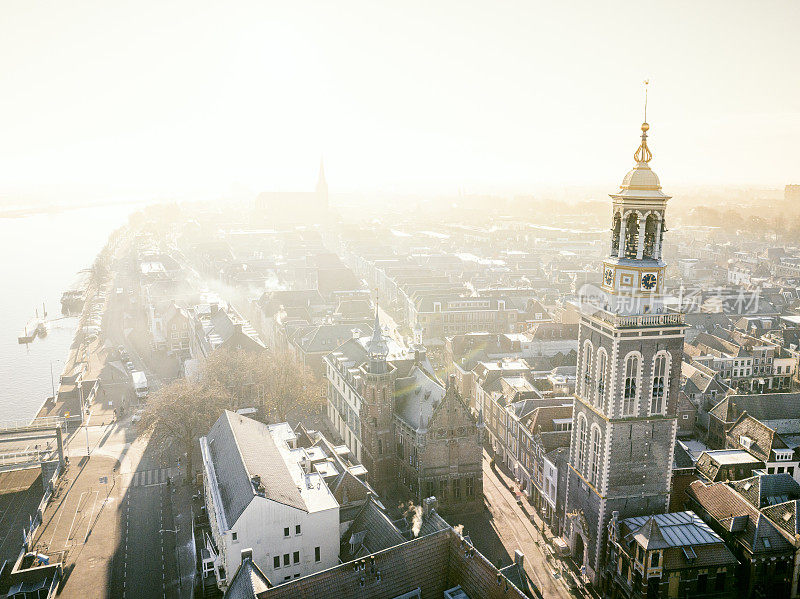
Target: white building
column 264, row 493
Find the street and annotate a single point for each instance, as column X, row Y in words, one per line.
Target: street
column 504, row 527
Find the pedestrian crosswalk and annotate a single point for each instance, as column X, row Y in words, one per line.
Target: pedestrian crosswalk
column 145, row 478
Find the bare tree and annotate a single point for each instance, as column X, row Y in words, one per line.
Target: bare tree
column 290, row 391
column 281, row 388
column 238, row 371
column 182, row 412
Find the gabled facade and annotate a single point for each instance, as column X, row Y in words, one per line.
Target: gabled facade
column 415, row 436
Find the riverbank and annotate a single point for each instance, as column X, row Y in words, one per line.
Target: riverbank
column 79, row 383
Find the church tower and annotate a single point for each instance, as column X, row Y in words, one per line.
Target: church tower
column 377, row 411
column 629, row 362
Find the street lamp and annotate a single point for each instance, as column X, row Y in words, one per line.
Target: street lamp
column 83, row 417
column 52, row 378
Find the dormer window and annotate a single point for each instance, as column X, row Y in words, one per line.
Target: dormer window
column 655, row 558
column 745, row 442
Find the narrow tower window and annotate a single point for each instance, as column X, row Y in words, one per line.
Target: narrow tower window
column 580, row 437
column 587, row 369
column 659, row 384
column 594, row 474
column 631, row 384
column 601, row 376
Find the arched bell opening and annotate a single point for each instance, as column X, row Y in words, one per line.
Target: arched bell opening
column 631, row 235
column 615, row 228
column 650, row 236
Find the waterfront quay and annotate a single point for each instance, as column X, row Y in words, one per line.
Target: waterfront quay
column 102, row 502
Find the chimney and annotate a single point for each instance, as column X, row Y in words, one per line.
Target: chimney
column 428, row 505
column 247, row 554
column 519, row 557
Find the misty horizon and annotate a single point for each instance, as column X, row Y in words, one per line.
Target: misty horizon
column 186, row 100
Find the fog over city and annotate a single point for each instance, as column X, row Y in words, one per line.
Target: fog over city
column 458, row 300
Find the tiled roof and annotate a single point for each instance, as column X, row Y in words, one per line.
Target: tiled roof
column 763, row 438
column 738, row 516
column 240, row 449
column 717, row 554
column 432, row 563
column 785, row 516
column 767, row 489
column 371, row 531
column 697, row 381
column 543, row 417
column 248, row 582
column 767, row 406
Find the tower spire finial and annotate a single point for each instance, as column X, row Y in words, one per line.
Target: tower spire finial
column 643, row 154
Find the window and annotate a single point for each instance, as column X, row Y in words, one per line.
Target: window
column 631, row 383
column 456, row 489
column 659, row 384
column 594, row 475
column 286, row 532
column 296, row 557
column 581, row 439
column 297, row 529
column 442, row 490
column 601, row 377
column 702, row 583
column 235, row 536
column 719, row 582
column 285, row 559
column 276, row 562
column 587, row 368
column 470, row 486
column 317, row 556
column 380, row 446
column 654, row 559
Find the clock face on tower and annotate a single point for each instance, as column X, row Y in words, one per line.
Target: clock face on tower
column 608, row 277
column 649, row 281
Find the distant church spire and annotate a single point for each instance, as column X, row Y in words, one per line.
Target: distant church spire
column 321, row 178
column 377, row 348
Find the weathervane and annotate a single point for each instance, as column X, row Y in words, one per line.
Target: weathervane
column 643, row 154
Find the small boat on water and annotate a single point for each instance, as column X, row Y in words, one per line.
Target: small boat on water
column 36, row 327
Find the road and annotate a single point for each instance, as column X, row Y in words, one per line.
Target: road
column 517, row 532
column 112, row 521
column 147, row 551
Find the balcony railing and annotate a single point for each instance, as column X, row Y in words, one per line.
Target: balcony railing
column 639, row 321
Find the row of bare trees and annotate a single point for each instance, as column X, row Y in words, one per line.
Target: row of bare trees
column 273, row 383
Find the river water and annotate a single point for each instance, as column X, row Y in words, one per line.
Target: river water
column 41, row 255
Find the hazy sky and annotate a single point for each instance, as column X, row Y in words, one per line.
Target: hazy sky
column 174, row 97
